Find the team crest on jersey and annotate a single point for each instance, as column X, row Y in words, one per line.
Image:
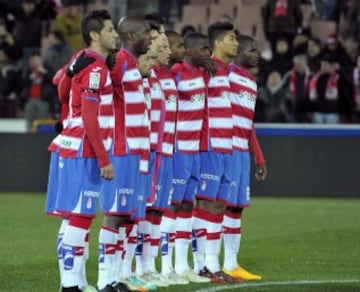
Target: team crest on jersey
column 89, row 203
column 203, row 185
column 123, row 200
column 94, row 80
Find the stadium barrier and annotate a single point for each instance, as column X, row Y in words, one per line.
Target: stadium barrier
column 302, row 160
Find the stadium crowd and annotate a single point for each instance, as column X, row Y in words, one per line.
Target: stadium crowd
column 37, row 37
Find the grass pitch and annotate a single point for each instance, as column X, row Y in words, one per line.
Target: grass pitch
column 295, row 244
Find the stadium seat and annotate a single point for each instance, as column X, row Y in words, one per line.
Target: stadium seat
column 43, row 126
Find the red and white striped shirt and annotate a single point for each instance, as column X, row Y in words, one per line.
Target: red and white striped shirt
column 218, row 125
column 168, row 87
column 131, row 114
column 191, row 103
column 243, row 99
column 92, row 83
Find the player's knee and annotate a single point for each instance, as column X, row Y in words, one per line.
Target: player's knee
column 236, row 210
column 115, row 222
column 175, row 208
column 187, row 206
column 153, row 213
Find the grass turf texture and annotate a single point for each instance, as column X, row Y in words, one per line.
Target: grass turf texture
column 283, row 240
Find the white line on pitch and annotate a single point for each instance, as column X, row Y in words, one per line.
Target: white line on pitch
column 279, row 283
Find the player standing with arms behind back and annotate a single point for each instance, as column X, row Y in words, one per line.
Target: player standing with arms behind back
column 243, row 100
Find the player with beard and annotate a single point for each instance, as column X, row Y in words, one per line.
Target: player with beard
column 119, row 197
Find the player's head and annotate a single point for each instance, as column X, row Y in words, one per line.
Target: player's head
column 134, row 32
column 248, row 54
column 164, row 51
column 197, row 44
column 144, row 64
column 97, row 29
column 156, row 22
column 177, row 47
column 222, row 39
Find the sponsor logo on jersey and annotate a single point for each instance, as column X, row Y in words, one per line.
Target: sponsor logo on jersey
column 197, row 97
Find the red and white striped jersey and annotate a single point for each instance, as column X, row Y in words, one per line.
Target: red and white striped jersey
column 156, row 106
column 131, row 114
column 168, row 87
column 92, row 83
column 243, row 100
column 218, row 126
column 191, row 104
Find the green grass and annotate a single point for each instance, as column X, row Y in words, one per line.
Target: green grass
column 283, row 240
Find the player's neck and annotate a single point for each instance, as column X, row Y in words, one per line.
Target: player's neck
column 221, row 56
column 99, row 49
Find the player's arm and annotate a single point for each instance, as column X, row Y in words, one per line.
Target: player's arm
column 260, row 163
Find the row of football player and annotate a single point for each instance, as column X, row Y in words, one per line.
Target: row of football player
column 160, row 132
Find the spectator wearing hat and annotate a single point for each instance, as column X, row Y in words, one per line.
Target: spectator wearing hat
column 330, row 93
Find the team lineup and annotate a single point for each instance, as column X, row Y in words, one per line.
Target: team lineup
column 159, row 132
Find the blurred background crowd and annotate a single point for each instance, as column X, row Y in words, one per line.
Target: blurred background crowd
column 309, row 69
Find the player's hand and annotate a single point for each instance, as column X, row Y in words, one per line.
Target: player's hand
column 58, row 126
column 79, row 64
column 205, row 62
column 260, row 172
column 111, row 59
column 107, row 172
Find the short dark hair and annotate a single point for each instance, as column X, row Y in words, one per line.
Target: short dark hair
column 191, row 37
column 155, row 21
column 93, row 21
column 217, row 31
column 244, row 41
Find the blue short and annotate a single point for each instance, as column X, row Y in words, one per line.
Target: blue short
column 186, row 172
column 52, row 186
column 143, row 184
column 78, row 186
column 240, row 185
column 215, row 176
column 163, row 185
column 117, row 196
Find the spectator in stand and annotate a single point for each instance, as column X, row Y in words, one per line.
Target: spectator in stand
column 281, row 18
column 356, row 81
column 354, row 18
column 335, row 50
column 37, row 104
column 55, row 57
column 68, row 22
column 28, row 27
column 330, row 93
column 313, row 52
column 273, row 104
column 281, row 60
column 297, row 81
column 9, row 76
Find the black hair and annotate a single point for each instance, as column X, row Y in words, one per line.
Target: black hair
column 93, row 21
column 155, row 21
column 244, row 41
column 187, row 29
column 217, row 31
column 192, row 37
